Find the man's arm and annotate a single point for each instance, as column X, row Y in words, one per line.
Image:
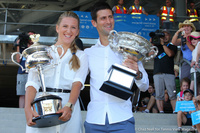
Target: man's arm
column 167, row 50
column 129, row 10
column 175, row 40
column 114, row 9
column 143, row 83
column 142, row 80
column 144, row 12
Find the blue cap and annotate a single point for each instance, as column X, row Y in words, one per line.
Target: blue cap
column 189, row 90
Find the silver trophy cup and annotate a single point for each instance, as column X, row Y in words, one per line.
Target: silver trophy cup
column 121, row 78
column 46, row 105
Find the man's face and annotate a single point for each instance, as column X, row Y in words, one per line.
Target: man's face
column 121, row 2
column 192, row 5
column 136, row 2
column 166, row 38
column 105, row 22
column 168, row 3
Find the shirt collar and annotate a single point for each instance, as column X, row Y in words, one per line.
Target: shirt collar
column 98, row 44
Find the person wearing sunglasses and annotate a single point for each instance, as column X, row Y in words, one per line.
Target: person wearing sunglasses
column 179, row 39
column 194, row 39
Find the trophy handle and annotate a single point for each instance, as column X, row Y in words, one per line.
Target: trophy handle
column 153, row 50
column 113, row 38
column 12, row 58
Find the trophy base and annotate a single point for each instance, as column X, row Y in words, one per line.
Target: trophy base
column 116, row 90
column 47, row 120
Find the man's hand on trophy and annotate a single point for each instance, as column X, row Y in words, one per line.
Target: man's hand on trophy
column 131, row 62
column 30, row 114
column 66, row 113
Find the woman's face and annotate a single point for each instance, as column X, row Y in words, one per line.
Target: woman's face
column 194, row 41
column 67, row 30
column 187, row 29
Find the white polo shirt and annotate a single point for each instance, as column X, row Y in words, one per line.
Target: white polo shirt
column 100, row 60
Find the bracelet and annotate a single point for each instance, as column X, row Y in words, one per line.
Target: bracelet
column 70, row 105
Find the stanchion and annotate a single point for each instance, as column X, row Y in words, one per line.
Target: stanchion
column 195, row 84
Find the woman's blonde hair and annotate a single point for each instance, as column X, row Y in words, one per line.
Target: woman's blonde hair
column 74, row 61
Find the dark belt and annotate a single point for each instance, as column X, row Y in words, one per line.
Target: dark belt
column 55, row 90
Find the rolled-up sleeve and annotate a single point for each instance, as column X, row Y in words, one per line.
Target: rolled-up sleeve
column 142, row 84
column 82, row 72
column 33, row 79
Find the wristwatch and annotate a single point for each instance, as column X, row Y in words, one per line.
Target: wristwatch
column 70, row 105
column 139, row 77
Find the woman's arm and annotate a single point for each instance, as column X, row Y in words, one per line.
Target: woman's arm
column 29, row 97
column 66, row 110
column 175, row 40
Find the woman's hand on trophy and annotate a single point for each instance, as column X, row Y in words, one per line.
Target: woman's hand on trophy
column 30, row 114
column 66, row 113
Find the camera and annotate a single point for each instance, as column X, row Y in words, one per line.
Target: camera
column 183, row 41
column 24, row 40
column 156, row 36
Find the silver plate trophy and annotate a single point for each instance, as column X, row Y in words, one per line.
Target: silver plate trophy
column 121, row 78
column 46, row 105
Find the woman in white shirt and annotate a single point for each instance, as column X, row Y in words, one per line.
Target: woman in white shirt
column 69, row 74
column 194, row 39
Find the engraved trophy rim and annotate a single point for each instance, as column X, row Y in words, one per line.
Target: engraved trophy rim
column 131, row 43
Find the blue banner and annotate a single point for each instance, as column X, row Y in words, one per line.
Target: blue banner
column 185, row 106
column 195, row 117
column 139, row 24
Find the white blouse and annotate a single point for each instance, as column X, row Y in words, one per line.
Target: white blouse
column 60, row 75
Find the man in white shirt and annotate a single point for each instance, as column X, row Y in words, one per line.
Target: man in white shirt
column 107, row 113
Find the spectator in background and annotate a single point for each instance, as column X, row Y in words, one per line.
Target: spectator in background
column 194, row 39
column 185, row 117
column 120, row 9
column 193, row 14
column 151, row 106
column 22, row 42
column 137, row 9
column 185, row 83
column 185, row 29
column 177, row 80
column 196, row 101
column 164, row 71
column 167, row 15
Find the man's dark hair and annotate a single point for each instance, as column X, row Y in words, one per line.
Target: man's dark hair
column 98, row 6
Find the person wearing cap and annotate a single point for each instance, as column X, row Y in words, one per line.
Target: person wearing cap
column 185, row 117
column 185, row 30
column 194, row 39
column 163, row 73
column 120, row 9
column 185, row 84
